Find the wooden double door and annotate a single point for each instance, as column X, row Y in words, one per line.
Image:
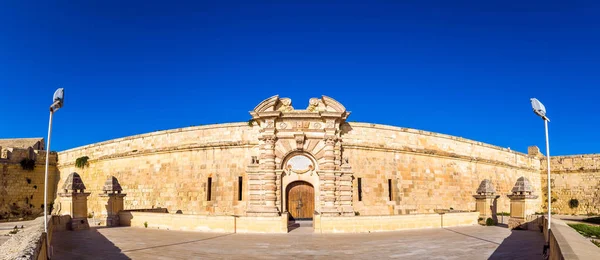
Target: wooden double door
column 300, row 200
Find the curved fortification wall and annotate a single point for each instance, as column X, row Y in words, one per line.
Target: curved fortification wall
column 429, row 171
column 170, row 169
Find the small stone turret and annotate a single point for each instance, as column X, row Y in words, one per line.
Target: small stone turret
column 112, row 186
column 485, row 199
column 73, row 183
column 73, row 201
column 522, row 202
column 112, row 199
column 522, row 189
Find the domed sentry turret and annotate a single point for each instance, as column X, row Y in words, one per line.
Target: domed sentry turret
column 74, row 183
column 522, row 187
column 112, row 186
column 486, row 188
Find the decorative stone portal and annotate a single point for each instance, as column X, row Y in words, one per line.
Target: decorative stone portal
column 301, row 145
column 300, row 200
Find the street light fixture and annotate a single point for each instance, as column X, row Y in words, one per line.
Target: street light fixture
column 540, row 110
column 57, row 103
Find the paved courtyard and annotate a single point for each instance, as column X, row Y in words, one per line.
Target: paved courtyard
column 474, row 242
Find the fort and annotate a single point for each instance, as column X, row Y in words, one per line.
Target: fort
column 291, row 163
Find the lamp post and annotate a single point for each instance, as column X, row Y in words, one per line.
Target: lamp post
column 540, row 110
column 57, row 103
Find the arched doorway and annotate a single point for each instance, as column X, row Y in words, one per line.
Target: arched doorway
column 300, row 200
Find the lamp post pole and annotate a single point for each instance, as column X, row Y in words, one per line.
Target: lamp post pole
column 57, row 104
column 46, row 172
column 546, row 120
column 540, row 110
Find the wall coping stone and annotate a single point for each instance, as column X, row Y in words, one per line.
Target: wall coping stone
column 572, row 245
column 428, row 133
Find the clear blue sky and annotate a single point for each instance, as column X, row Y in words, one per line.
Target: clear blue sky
column 460, row 68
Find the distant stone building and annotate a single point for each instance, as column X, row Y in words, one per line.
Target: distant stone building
column 22, row 165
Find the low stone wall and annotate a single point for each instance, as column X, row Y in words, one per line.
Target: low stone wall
column 30, row 243
column 566, row 243
column 225, row 224
column 363, row 224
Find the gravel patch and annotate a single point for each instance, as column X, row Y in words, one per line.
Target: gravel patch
column 23, row 244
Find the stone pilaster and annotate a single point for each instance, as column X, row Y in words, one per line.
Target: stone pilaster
column 345, row 187
column 327, row 178
column 266, row 179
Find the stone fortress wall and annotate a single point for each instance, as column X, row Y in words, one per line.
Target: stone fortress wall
column 574, row 177
column 22, row 190
column 430, row 171
column 170, row 169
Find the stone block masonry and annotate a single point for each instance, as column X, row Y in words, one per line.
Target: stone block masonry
column 170, row 169
column 22, row 190
column 575, row 182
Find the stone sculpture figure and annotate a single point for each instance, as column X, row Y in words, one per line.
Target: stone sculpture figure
column 286, row 105
column 315, row 105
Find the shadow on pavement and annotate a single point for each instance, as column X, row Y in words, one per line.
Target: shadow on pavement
column 79, row 244
column 489, row 241
column 521, row 244
column 175, row 244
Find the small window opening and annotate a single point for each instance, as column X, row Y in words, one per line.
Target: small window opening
column 390, row 189
column 209, row 188
column 359, row 189
column 240, row 185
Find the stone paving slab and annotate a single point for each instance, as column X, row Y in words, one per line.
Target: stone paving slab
column 474, row 242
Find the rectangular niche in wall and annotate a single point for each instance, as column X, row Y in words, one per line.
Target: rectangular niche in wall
column 390, row 189
column 359, row 184
column 209, row 188
column 240, row 185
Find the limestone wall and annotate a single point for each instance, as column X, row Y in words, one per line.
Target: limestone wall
column 170, row 168
column 429, row 171
column 364, row 224
column 575, row 177
column 222, row 224
column 22, row 191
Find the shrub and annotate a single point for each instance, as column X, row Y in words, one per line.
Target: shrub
column 596, row 242
column 573, row 203
column 146, row 224
column 504, row 214
column 81, row 162
column 90, row 215
column 28, row 164
column 489, row 222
